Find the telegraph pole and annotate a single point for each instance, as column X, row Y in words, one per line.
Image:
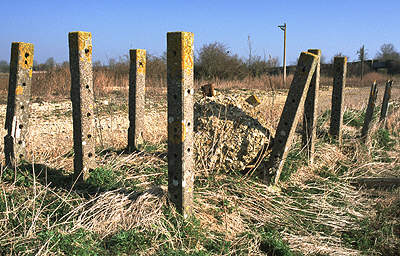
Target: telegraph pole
column 283, row 27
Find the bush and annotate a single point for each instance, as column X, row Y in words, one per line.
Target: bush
column 214, row 61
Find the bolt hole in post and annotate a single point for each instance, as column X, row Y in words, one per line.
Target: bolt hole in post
column 188, row 91
column 88, row 114
column 90, row 154
column 22, row 107
column 20, row 126
column 89, row 136
column 87, row 86
column 23, row 84
column 20, row 142
column 86, row 51
column 188, row 150
column 26, row 55
column 21, row 155
column 26, row 62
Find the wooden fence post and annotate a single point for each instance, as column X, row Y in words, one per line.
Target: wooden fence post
column 290, row 114
column 339, row 84
column 137, row 76
column 180, row 120
column 80, row 57
column 370, row 111
column 18, row 103
column 386, row 98
column 310, row 110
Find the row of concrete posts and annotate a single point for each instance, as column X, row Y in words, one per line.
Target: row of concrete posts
column 303, row 94
column 180, row 109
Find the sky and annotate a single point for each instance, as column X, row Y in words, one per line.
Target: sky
column 117, row 26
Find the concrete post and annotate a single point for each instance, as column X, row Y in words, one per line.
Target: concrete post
column 180, row 120
column 18, row 103
column 208, row 90
column 310, row 110
column 80, row 57
column 370, row 111
column 137, row 76
column 386, row 98
column 339, row 83
column 290, row 114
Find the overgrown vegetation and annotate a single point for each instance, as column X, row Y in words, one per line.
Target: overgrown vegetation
column 123, row 208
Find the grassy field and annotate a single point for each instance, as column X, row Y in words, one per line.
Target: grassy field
column 123, row 207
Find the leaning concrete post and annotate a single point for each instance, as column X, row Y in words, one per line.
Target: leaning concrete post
column 290, row 114
column 80, row 57
column 339, row 83
column 310, row 110
column 386, row 98
column 137, row 75
column 18, row 104
column 180, row 120
column 370, row 111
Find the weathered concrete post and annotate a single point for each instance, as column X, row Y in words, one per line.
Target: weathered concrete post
column 310, row 110
column 339, row 83
column 137, row 76
column 18, row 103
column 386, row 98
column 180, row 120
column 370, row 111
column 290, row 114
column 80, row 58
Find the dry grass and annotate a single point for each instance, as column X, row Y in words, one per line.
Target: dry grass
column 315, row 211
column 56, row 83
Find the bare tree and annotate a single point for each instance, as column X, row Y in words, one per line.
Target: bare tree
column 387, row 52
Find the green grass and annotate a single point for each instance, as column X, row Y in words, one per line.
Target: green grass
column 294, row 160
column 272, row 243
column 105, row 178
column 381, row 232
column 354, row 118
column 384, row 139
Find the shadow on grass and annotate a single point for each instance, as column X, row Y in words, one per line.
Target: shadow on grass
column 26, row 174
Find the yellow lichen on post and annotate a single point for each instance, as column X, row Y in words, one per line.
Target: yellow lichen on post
column 80, row 47
column 180, row 120
column 177, row 129
column 84, row 45
column 25, row 57
column 18, row 104
column 141, row 61
column 19, row 90
column 187, row 52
